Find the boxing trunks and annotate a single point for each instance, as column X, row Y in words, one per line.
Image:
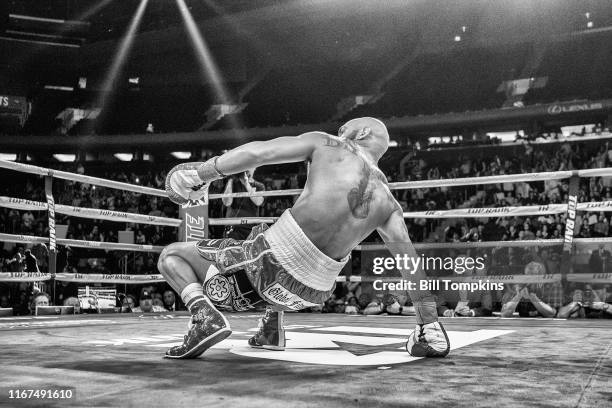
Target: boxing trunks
column 278, row 266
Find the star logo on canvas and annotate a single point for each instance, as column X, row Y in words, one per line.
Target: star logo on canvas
column 358, row 349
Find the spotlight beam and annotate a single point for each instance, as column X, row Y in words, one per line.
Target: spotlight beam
column 93, row 10
column 203, row 52
column 120, row 57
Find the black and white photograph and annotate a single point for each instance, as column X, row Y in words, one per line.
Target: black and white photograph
column 306, row 203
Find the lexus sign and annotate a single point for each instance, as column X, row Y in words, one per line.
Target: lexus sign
column 574, row 107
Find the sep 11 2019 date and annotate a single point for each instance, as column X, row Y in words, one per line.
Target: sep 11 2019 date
column 41, row 393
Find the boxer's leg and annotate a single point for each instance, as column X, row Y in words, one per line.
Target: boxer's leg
column 184, row 268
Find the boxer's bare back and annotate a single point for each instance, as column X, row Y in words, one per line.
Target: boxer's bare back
column 346, row 196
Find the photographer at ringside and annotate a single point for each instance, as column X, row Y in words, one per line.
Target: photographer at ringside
column 242, row 206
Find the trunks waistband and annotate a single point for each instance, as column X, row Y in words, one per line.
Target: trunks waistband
column 300, row 257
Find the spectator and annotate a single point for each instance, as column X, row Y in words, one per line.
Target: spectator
column 538, row 299
column 22, row 308
column 5, row 301
column 599, row 260
column 242, row 207
column 17, row 262
column 30, row 262
column 146, row 304
column 27, row 221
column 41, row 299
column 169, row 302
column 128, row 304
column 74, row 302
column 158, row 303
column 587, row 303
column 352, row 306
column 65, row 290
column 463, row 303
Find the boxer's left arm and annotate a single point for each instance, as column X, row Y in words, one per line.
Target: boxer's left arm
column 395, row 235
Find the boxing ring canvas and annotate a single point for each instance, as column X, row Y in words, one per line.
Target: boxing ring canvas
column 330, row 360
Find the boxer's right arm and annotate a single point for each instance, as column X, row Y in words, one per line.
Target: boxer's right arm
column 189, row 181
column 286, row 149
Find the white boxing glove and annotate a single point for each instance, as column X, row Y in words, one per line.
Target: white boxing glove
column 190, row 181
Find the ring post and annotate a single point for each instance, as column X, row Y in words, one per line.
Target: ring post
column 570, row 221
column 51, row 213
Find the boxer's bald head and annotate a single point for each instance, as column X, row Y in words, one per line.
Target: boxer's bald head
column 369, row 133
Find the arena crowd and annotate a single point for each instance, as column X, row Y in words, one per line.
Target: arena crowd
column 558, row 299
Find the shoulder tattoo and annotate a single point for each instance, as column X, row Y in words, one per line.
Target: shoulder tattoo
column 360, row 197
column 347, row 145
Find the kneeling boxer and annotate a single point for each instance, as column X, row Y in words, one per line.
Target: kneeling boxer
column 294, row 263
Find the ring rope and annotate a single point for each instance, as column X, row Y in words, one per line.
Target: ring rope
column 25, row 276
column 23, row 204
column 364, row 247
column 505, row 178
column 488, row 244
column 512, row 211
column 240, row 221
column 143, row 279
column 269, row 193
column 110, row 245
column 490, row 212
column 471, row 181
column 109, row 278
column 456, row 213
column 97, row 181
column 26, row 239
column 80, row 277
column 77, row 243
column 454, row 182
column 508, row 279
column 463, row 181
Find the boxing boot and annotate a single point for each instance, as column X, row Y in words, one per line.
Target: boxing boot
column 207, row 328
column 271, row 335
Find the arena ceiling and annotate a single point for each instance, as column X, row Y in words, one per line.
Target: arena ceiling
column 245, row 36
column 281, row 31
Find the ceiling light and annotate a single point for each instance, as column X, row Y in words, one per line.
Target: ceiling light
column 181, row 155
column 8, row 156
column 64, row 157
column 124, row 156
